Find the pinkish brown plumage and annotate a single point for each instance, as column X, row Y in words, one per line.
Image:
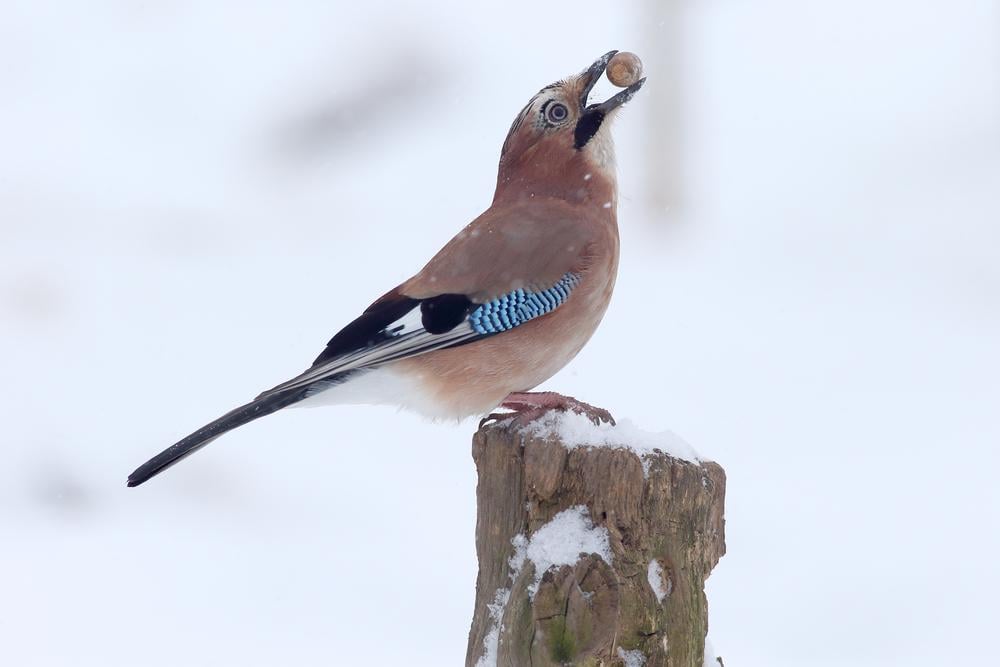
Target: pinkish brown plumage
column 508, row 302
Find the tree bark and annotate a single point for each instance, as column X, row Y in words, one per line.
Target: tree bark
column 664, row 522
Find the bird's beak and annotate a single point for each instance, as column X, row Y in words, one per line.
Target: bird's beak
column 590, row 76
column 593, row 115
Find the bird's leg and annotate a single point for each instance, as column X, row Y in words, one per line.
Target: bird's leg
column 528, row 406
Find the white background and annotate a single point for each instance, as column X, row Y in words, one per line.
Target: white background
column 194, row 196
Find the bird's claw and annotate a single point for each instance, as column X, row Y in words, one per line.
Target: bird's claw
column 528, row 406
column 496, row 417
column 593, row 413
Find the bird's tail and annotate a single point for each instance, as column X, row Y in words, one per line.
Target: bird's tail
column 261, row 406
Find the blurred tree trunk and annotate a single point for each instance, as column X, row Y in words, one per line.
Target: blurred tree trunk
column 665, row 53
column 665, row 532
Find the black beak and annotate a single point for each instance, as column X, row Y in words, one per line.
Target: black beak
column 590, row 78
column 592, row 115
column 592, row 75
column 619, row 99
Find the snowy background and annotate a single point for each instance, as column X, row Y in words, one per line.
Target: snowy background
column 194, row 196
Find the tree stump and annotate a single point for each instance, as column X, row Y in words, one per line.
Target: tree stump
column 626, row 526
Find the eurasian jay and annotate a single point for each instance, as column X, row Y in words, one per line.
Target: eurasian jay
column 503, row 306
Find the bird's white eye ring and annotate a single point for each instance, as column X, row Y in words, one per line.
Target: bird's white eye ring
column 556, row 112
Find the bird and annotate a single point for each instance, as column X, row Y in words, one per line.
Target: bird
column 502, row 307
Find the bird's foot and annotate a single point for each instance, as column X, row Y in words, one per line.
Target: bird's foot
column 526, row 407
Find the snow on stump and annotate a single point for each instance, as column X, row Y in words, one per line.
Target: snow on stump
column 594, row 544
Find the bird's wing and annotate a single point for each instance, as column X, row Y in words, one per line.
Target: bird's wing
column 528, row 246
column 498, row 273
column 507, row 273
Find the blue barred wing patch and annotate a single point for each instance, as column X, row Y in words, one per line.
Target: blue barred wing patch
column 517, row 307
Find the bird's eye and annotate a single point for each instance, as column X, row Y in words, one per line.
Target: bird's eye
column 556, row 112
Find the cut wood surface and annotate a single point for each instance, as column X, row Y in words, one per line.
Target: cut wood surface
column 627, row 539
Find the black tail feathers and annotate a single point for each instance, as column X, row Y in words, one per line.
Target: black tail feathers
column 259, row 407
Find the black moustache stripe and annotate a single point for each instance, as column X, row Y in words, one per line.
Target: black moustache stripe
column 587, row 127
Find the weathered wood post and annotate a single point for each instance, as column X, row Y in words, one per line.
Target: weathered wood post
column 594, row 544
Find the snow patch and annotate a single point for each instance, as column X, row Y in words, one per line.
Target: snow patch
column 562, row 540
column 661, row 586
column 710, row 659
column 516, row 561
column 633, row 658
column 559, row 542
column 575, row 430
column 491, row 642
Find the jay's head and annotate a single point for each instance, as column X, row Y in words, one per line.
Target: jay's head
column 559, row 133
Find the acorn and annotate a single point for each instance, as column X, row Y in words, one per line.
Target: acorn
column 624, row 69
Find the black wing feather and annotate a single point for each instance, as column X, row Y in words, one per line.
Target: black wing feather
column 368, row 329
column 443, row 313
